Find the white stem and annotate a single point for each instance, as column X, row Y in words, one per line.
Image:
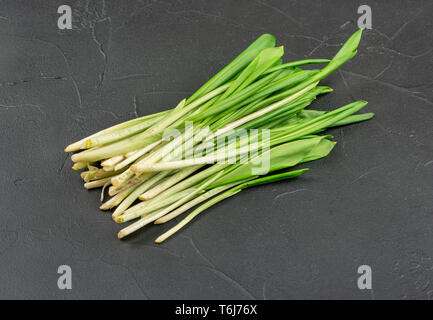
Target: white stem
column 96, row 183
column 103, row 190
column 148, row 219
column 172, row 231
column 112, row 161
column 147, row 183
column 80, row 165
column 121, row 178
column 78, row 144
column 168, row 183
column 131, row 182
column 147, row 207
column 178, row 141
column 225, row 155
column 158, row 154
column 130, row 153
column 112, row 191
column 114, row 201
column 75, row 146
column 165, row 121
column 137, row 154
column 182, row 109
column 195, row 202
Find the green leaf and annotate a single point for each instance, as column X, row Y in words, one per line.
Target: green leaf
column 297, row 63
column 271, row 178
column 264, row 41
column 321, row 150
column 347, row 52
column 254, row 92
column 306, row 115
column 354, row 119
column 265, row 59
column 317, row 124
column 282, row 156
column 221, row 105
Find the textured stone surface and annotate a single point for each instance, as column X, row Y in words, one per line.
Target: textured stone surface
column 369, row 202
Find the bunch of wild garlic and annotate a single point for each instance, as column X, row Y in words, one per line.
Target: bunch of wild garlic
column 256, row 93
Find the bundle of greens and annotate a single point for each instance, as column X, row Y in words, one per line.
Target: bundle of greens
column 159, row 166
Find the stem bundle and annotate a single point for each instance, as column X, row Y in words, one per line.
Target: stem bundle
column 245, row 127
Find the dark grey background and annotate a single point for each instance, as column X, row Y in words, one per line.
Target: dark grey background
column 369, row 202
